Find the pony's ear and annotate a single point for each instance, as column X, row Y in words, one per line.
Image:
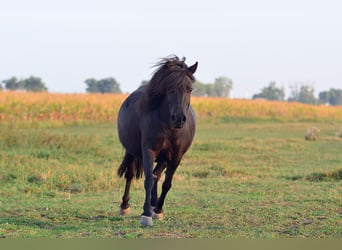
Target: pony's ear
column 193, row 68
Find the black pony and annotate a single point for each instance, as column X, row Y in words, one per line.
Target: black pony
column 156, row 124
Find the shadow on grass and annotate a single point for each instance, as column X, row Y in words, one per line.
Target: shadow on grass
column 335, row 175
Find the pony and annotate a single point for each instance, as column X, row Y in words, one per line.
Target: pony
column 156, row 124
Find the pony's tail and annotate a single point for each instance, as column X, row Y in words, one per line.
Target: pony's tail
column 131, row 167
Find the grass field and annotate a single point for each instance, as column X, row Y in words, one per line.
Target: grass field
column 248, row 179
column 250, row 172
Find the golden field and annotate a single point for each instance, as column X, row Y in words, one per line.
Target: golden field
column 34, row 107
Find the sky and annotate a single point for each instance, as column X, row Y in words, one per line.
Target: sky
column 252, row 42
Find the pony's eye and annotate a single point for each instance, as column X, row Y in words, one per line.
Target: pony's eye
column 190, row 90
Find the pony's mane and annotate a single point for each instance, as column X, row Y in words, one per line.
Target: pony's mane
column 171, row 73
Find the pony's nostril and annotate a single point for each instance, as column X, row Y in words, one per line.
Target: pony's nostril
column 178, row 120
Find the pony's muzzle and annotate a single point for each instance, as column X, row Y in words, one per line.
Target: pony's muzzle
column 178, row 120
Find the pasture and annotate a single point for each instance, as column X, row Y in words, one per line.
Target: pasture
column 243, row 176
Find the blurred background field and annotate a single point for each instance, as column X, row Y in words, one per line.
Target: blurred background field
column 29, row 107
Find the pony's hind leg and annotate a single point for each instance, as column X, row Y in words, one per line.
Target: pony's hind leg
column 148, row 159
column 125, row 208
column 127, row 168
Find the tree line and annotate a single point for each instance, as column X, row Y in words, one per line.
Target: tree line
column 300, row 93
column 34, row 84
column 221, row 87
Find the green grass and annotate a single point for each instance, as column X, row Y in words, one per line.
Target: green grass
column 246, row 179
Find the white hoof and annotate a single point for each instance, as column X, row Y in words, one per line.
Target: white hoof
column 156, row 216
column 146, row 221
column 125, row 211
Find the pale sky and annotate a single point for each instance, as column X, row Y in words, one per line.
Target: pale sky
column 252, row 42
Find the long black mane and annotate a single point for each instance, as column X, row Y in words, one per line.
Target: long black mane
column 172, row 73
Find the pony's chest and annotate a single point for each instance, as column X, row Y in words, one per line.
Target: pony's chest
column 166, row 144
column 167, row 147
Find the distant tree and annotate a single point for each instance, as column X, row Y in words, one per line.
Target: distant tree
column 220, row 88
column 294, row 96
column 12, row 84
column 324, row 97
column 304, row 94
column 199, row 89
column 34, row 84
column 109, row 85
column 210, row 90
column 92, row 86
column 106, row 85
column 333, row 97
column 271, row 92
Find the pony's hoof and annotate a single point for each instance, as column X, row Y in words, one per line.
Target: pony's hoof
column 146, row 221
column 125, row 211
column 158, row 216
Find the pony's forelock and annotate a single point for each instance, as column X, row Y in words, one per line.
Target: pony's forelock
column 172, row 73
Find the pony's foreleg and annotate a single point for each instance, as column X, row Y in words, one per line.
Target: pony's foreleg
column 148, row 159
column 170, row 171
column 156, row 176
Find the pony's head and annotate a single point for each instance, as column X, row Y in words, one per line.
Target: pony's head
column 172, row 83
